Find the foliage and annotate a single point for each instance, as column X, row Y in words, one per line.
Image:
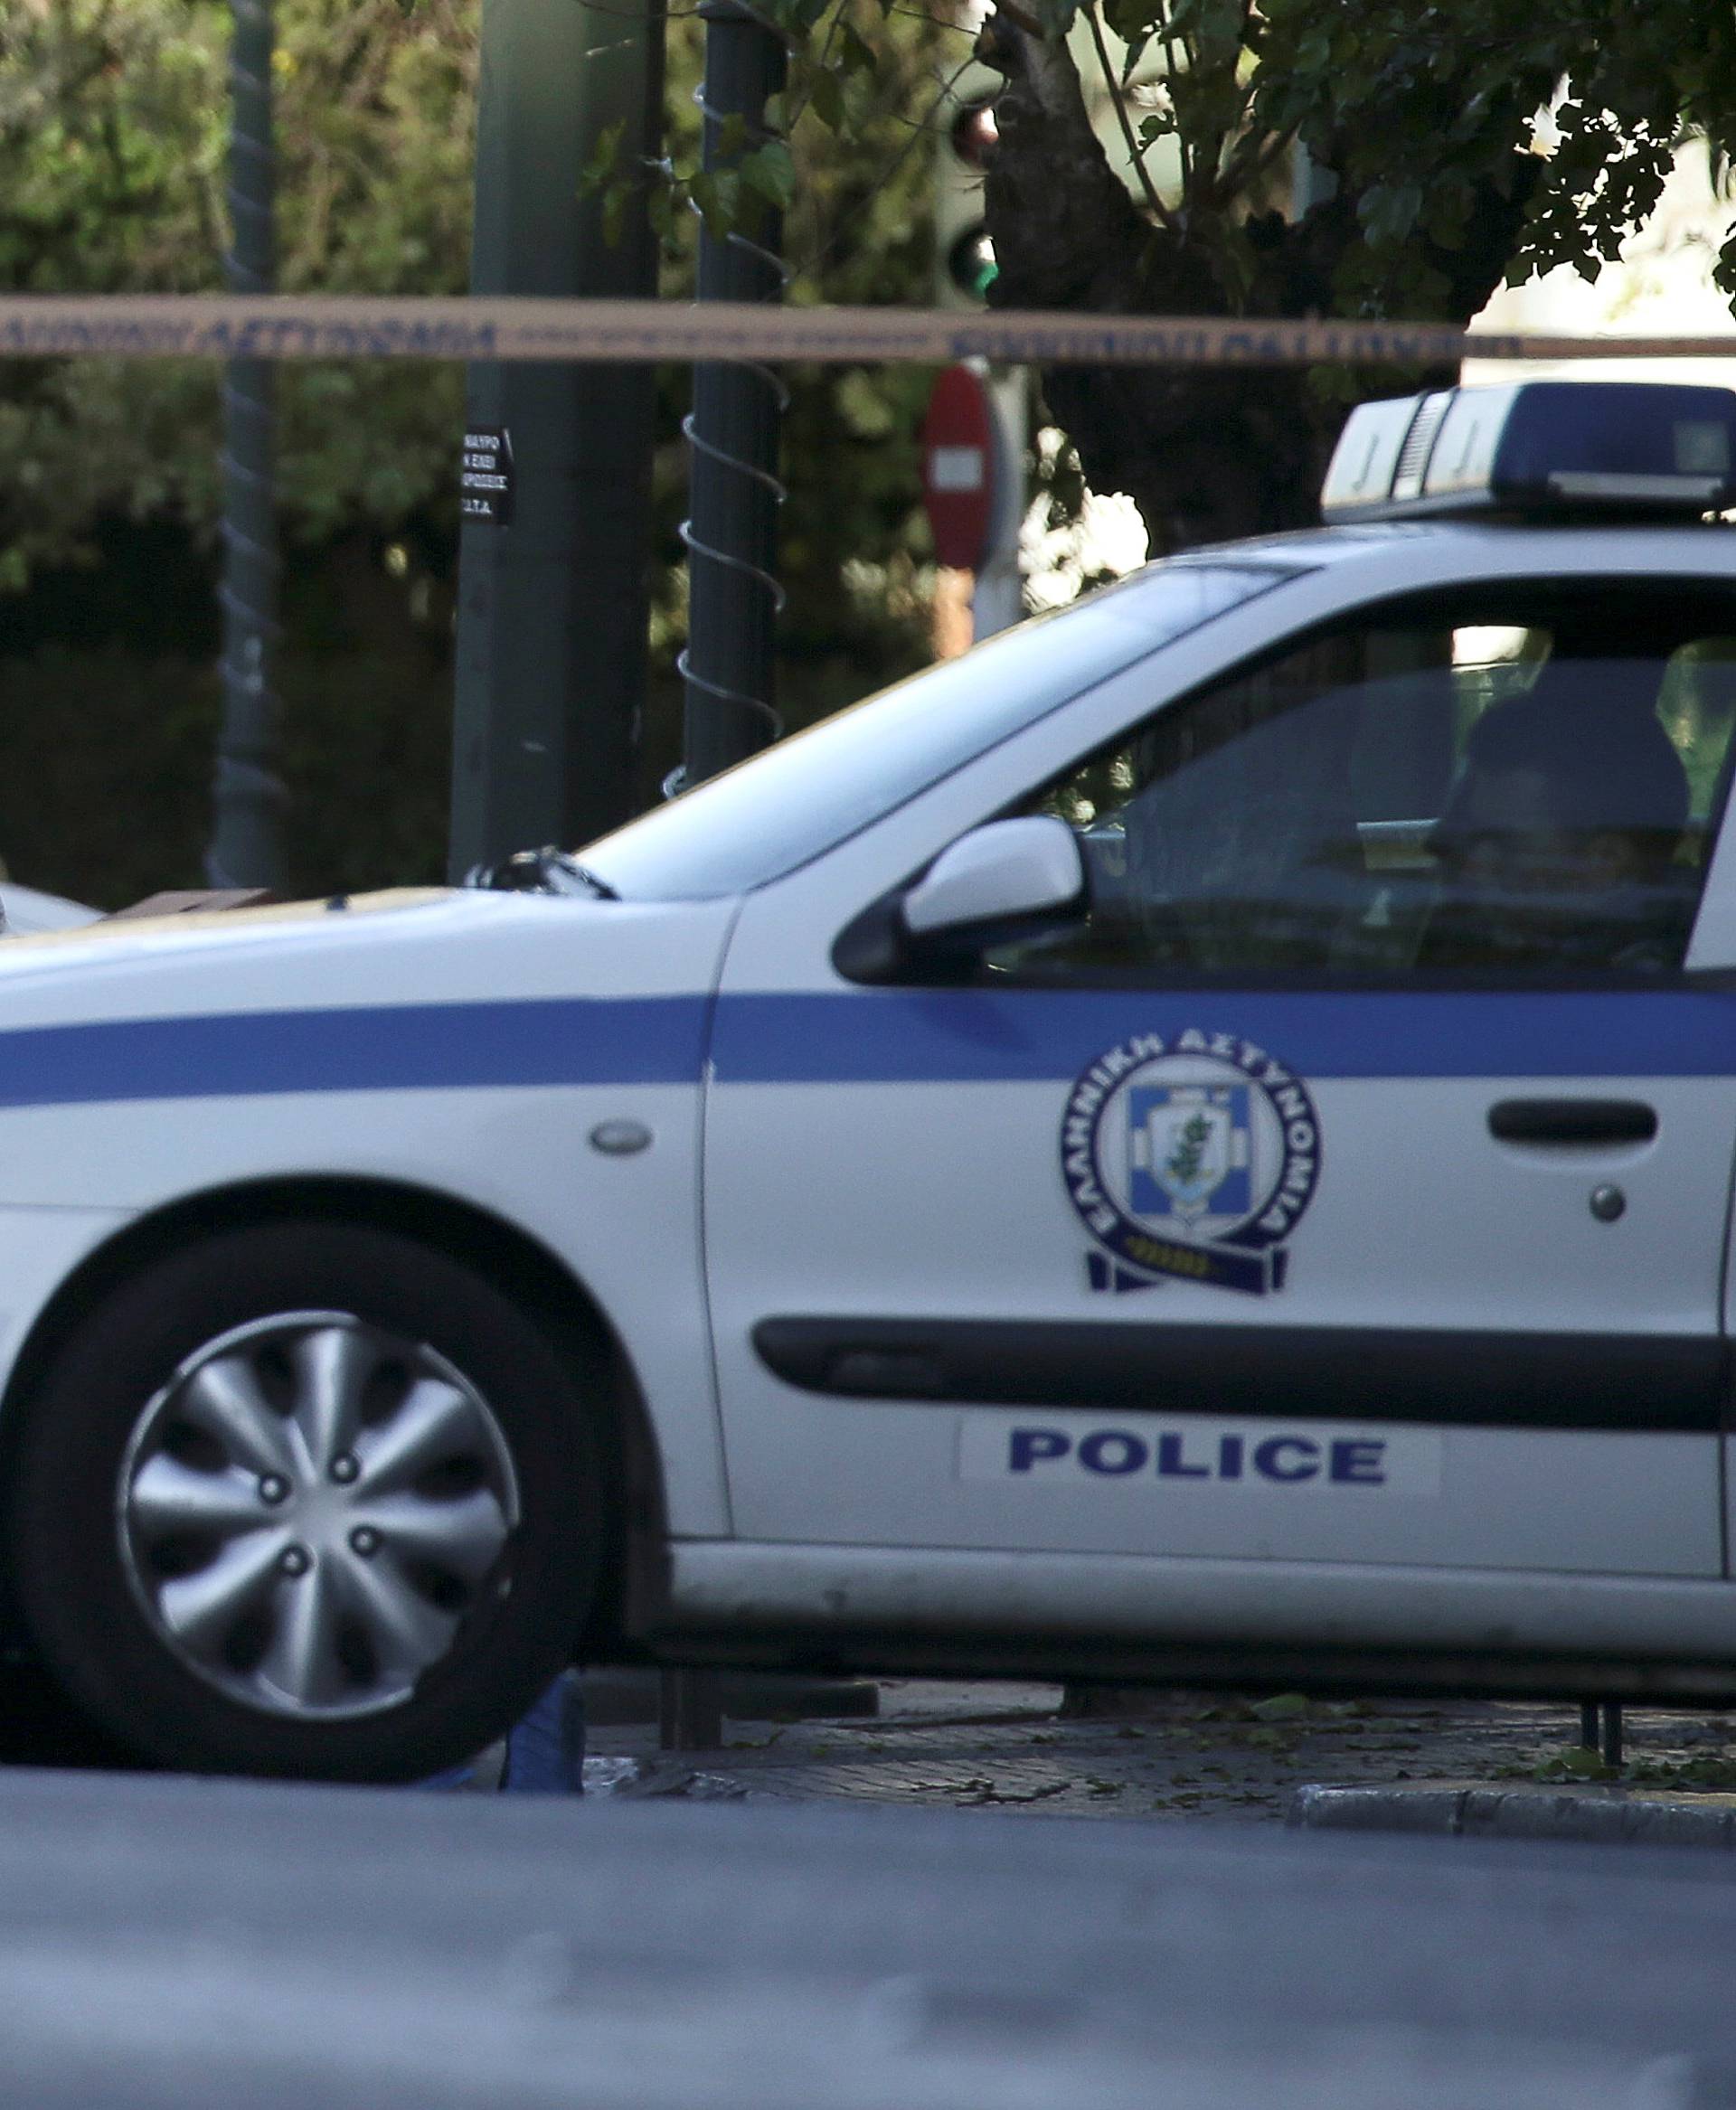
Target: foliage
column 113, row 112
column 1413, row 106
column 1401, row 157
column 1453, row 145
column 113, row 129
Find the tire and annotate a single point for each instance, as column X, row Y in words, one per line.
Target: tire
column 308, row 1500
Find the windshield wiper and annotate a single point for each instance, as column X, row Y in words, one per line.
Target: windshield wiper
column 541, row 872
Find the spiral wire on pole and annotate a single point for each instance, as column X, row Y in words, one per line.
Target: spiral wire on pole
column 248, row 796
column 767, row 480
column 768, row 277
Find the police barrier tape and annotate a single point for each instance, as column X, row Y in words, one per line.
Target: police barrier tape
column 365, row 326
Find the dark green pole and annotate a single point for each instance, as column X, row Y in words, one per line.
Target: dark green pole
column 248, row 796
column 553, row 604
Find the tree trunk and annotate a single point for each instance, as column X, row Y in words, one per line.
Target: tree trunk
column 1205, row 454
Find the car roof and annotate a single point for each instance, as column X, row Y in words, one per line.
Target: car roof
column 1361, row 541
column 1374, row 558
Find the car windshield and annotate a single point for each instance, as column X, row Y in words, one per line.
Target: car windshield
column 787, row 804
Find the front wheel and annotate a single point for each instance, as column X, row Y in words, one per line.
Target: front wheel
column 309, row 1500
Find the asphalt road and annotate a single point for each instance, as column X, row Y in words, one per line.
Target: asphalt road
column 172, row 1942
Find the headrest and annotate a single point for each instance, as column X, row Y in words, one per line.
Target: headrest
column 1590, row 728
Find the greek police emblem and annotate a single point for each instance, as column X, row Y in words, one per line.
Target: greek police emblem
column 1190, row 1156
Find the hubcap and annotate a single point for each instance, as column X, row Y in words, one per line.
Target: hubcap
column 307, row 1510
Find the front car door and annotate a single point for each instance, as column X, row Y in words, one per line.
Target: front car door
column 1349, row 1187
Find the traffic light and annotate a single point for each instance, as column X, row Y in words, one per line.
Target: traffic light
column 964, row 256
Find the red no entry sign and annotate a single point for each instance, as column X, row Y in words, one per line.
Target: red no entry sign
column 958, row 467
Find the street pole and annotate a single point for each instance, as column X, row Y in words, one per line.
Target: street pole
column 246, row 846
column 731, row 535
column 554, row 589
column 997, row 597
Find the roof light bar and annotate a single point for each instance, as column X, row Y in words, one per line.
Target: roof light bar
column 1565, row 447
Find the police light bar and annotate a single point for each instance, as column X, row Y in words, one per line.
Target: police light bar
column 1538, row 447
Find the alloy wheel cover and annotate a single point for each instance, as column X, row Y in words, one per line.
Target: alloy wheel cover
column 309, row 1509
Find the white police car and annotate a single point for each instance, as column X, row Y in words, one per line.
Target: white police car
column 1196, row 1141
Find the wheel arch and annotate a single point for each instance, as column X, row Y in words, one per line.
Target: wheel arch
column 515, row 1262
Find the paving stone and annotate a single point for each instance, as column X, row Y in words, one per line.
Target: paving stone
column 1006, row 1748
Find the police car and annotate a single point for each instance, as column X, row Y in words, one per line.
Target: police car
column 1193, row 1142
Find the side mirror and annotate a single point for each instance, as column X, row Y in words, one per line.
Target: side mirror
column 997, row 874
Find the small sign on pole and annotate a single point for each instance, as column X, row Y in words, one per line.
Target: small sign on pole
column 958, row 467
column 486, row 478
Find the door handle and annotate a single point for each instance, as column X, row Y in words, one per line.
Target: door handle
column 1573, row 1121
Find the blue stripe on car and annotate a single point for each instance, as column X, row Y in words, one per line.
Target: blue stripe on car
column 859, row 1037
column 391, row 1047
column 987, row 1035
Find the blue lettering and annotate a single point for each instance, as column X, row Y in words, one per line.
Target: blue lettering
column 1028, row 1446
column 1268, row 1455
column 1115, row 1452
column 1173, row 1465
column 1130, row 1454
column 1358, row 1463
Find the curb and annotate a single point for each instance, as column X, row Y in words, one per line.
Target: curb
column 628, row 1694
column 1606, row 1817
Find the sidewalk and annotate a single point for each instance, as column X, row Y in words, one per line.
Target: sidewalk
column 1002, row 1746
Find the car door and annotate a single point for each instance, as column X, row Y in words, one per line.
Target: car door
column 1349, row 1185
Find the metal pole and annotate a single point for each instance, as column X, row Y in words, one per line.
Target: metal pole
column 998, row 597
column 249, row 797
column 1600, row 1729
column 733, row 596
column 690, row 1711
column 554, row 604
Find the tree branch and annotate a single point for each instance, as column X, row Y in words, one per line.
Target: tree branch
column 1159, row 210
column 1252, row 156
column 1174, row 70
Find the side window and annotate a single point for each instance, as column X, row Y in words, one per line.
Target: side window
column 1524, row 780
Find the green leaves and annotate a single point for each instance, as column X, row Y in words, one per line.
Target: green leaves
column 717, row 194
column 1389, row 211
column 826, row 97
column 1421, row 121
column 836, row 68
column 1422, row 115
column 771, row 171
column 853, row 54
column 1212, row 30
column 605, row 157
column 1430, row 117
column 112, row 132
column 1578, row 1762
column 1280, row 1706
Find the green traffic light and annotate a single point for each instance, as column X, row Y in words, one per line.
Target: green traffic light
column 970, row 262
